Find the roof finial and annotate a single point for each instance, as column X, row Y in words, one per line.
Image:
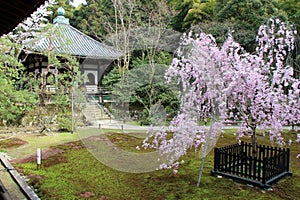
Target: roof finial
column 60, row 19
column 60, row 11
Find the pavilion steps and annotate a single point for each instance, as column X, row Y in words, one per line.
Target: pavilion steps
column 94, row 112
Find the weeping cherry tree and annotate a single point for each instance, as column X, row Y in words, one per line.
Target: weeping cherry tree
column 221, row 83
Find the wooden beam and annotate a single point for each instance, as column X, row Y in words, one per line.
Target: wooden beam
column 26, row 189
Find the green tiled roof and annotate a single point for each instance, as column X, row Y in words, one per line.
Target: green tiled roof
column 68, row 40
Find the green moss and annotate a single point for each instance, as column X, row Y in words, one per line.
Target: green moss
column 81, row 173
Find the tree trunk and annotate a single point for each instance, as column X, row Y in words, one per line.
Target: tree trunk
column 254, row 150
column 254, row 144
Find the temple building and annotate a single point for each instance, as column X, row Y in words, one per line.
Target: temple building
column 94, row 57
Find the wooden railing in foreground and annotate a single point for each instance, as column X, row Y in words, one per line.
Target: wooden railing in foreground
column 18, row 179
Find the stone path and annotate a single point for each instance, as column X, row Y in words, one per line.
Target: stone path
column 115, row 124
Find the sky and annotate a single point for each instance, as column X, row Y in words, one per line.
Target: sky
column 77, row 2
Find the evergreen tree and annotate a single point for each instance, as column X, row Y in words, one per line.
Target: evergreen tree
column 14, row 102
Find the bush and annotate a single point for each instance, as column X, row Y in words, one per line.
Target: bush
column 65, row 123
column 145, row 122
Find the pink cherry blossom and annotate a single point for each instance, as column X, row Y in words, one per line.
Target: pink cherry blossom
column 224, row 83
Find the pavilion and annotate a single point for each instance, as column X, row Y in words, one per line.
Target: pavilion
column 94, row 57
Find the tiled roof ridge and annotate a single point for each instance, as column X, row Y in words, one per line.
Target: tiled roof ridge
column 89, row 37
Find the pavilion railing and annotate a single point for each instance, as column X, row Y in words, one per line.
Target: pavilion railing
column 237, row 162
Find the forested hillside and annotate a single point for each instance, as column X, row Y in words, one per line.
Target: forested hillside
column 101, row 18
column 213, row 16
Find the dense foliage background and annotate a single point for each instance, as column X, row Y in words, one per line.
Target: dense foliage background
column 138, row 28
column 102, row 18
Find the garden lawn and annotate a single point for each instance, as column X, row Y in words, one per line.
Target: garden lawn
column 74, row 173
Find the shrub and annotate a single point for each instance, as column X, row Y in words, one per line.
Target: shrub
column 65, row 123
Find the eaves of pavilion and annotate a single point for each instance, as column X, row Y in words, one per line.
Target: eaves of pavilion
column 14, row 12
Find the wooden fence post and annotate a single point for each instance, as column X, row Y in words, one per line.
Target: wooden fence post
column 288, row 160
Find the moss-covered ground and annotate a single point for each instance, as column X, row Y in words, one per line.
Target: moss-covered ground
column 73, row 173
